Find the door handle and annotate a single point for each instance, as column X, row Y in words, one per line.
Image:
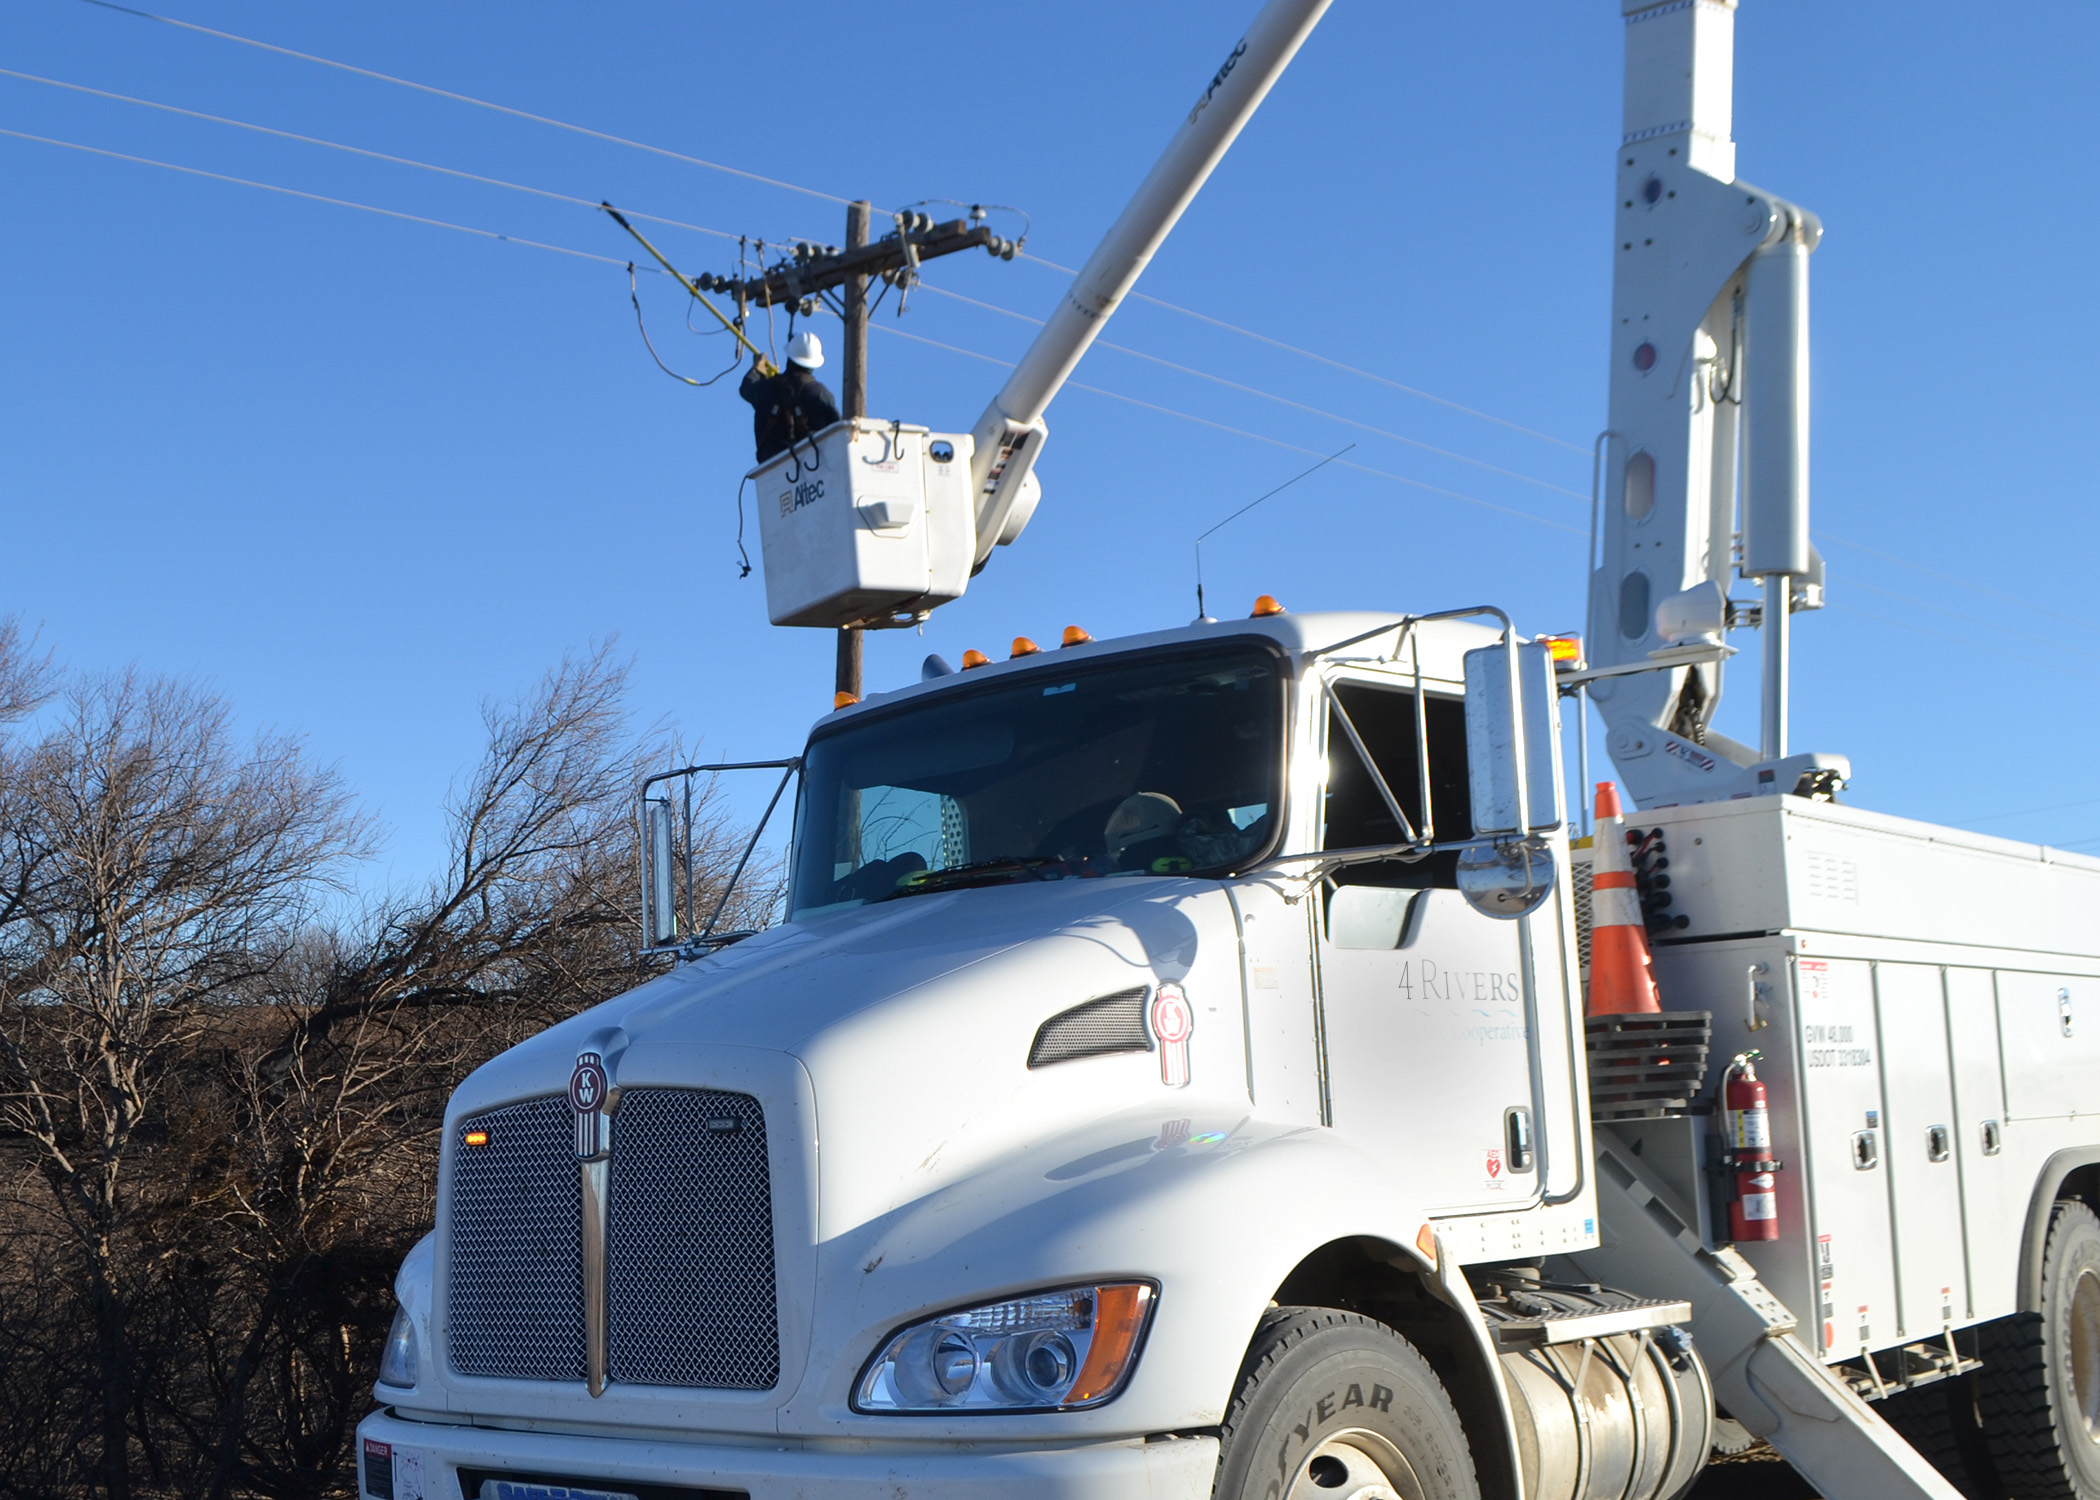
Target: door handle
column 1993, row 1138
column 1939, row 1143
column 1866, row 1150
column 1516, row 1131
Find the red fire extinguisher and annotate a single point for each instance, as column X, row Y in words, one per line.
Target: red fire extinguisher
column 1753, row 1213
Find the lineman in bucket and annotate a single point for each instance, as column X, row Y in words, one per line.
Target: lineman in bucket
column 792, row 404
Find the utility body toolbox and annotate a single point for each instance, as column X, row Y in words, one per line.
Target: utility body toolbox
column 1927, row 1002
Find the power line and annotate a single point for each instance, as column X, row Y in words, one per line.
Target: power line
column 503, row 109
column 1522, row 515
column 2029, row 811
column 271, row 187
column 490, row 234
column 571, row 199
column 1952, row 578
column 2043, row 640
column 314, row 140
column 1478, row 463
column 1974, row 645
column 1262, row 338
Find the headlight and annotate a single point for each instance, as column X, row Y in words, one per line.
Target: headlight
column 1053, row 1351
column 397, row 1365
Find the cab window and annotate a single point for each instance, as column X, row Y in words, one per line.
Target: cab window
column 1356, row 816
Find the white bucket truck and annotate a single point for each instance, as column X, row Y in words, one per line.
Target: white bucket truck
column 1172, row 1078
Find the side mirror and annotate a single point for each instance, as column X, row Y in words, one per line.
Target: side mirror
column 1513, row 766
column 659, row 890
column 1513, row 742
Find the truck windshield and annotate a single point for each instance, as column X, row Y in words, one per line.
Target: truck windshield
column 1160, row 764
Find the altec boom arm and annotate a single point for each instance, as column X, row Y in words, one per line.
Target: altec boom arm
column 1011, row 432
column 1709, row 417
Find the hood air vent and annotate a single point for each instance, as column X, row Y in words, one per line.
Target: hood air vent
column 1113, row 1023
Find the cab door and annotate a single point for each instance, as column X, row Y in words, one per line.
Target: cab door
column 1421, row 997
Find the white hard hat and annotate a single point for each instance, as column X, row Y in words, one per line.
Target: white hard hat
column 806, row 350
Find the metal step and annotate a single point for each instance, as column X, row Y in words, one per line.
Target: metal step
column 1569, row 1325
column 1763, row 1376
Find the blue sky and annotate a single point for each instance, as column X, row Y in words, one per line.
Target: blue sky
column 360, row 473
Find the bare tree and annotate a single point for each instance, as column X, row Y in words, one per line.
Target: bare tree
column 334, row 1157
column 220, row 1102
column 155, row 866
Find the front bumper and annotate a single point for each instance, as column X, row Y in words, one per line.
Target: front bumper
column 426, row 1459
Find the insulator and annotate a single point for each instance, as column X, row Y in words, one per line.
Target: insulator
column 1659, row 882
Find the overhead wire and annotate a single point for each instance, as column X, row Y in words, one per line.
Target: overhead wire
column 315, row 140
column 271, row 187
column 1974, row 645
column 785, row 185
column 1275, row 343
column 2058, row 643
column 634, row 296
column 503, row 109
column 2082, row 624
column 1398, row 437
column 1522, row 515
column 795, row 187
column 2030, row 811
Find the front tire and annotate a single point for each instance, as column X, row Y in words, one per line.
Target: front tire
column 1335, row 1406
column 2041, row 1372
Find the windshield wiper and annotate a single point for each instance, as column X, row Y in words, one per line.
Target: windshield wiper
column 977, row 872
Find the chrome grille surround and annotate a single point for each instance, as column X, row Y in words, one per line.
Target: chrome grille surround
column 514, row 1269
column 691, row 1294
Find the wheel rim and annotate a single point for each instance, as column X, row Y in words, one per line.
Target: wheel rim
column 2085, row 1350
column 1355, row 1465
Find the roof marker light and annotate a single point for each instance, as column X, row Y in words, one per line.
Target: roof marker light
column 1076, row 635
column 1566, row 651
column 841, row 700
column 1266, row 605
column 974, row 658
column 1024, row 647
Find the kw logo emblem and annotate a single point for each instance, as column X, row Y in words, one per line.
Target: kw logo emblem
column 588, row 1089
column 1172, row 1024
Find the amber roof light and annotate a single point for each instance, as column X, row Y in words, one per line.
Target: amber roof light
column 841, row 700
column 1076, row 635
column 975, row 658
column 1264, row 606
column 1024, row 647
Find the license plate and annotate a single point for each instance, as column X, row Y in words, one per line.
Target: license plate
column 514, row 1489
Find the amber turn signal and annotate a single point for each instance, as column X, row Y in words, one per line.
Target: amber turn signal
column 1119, row 1319
column 1566, row 651
column 476, row 1138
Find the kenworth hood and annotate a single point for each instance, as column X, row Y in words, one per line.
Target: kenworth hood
column 888, row 1047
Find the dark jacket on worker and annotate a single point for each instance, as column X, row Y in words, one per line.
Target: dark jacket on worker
column 786, row 408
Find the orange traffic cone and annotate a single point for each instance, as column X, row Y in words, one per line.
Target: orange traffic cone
column 1622, row 975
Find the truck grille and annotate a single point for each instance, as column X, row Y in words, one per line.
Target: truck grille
column 689, row 1251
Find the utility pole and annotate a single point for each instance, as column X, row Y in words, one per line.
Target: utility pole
column 853, row 402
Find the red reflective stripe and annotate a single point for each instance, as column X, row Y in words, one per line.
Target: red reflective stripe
column 1607, row 880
